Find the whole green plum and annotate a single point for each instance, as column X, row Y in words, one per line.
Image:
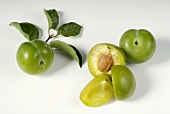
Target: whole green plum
column 34, row 57
column 138, row 45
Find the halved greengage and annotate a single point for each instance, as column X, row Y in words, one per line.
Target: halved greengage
column 103, row 56
column 123, row 81
column 98, row 91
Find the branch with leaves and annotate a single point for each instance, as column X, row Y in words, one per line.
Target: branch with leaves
column 31, row 32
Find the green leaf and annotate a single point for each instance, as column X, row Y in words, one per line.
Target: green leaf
column 28, row 30
column 52, row 17
column 69, row 29
column 71, row 50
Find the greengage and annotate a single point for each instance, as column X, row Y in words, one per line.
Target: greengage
column 34, row 57
column 138, row 45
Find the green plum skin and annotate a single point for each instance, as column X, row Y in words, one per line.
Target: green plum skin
column 34, row 57
column 138, row 45
column 123, row 81
column 98, row 91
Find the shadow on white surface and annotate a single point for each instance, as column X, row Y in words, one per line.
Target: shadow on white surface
column 143, row 82
column 162, row 51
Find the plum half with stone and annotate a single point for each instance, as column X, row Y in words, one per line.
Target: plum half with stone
column 34, row 57
column 138, row 45
column 103, row 56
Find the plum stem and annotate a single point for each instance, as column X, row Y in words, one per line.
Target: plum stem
column 50, row 36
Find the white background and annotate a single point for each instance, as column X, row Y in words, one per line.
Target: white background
column 57, row 90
